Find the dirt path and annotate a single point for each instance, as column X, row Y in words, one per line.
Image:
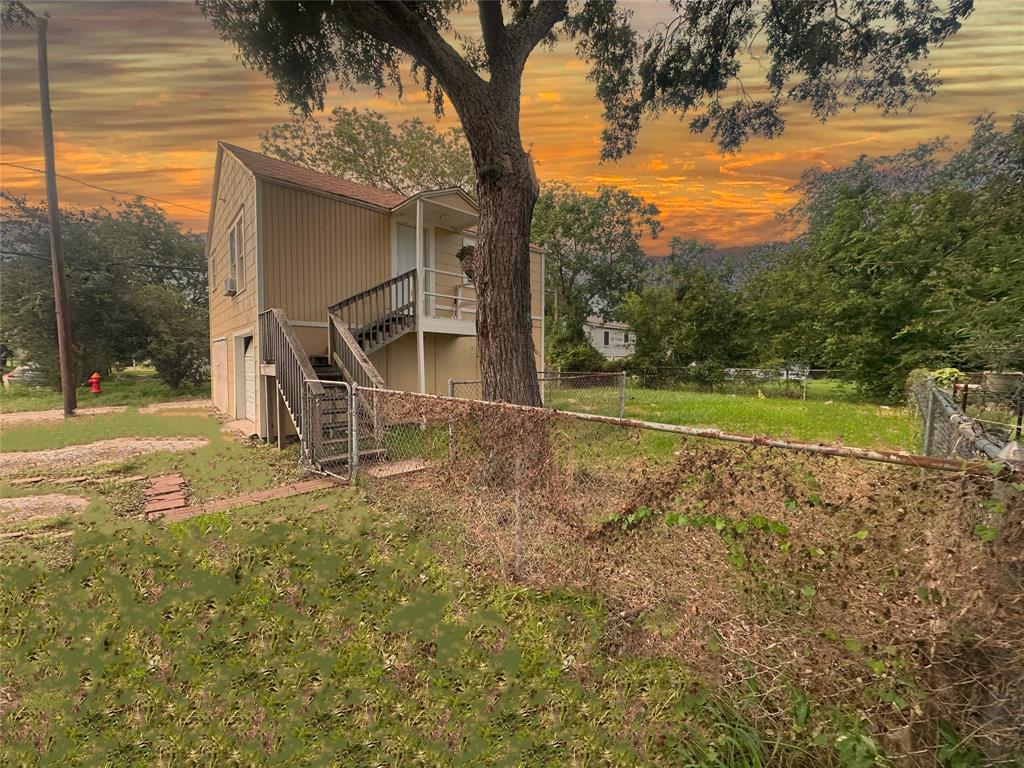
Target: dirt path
column 21, row 509
column 99, row 452
column 32, row 417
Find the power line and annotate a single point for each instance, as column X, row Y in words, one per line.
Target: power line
column 125, row 263
column 107, row 189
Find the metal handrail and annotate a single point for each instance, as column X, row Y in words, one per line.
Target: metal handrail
column 376, row 309
column 292, row 369
column 344, row 350
column 379, row 288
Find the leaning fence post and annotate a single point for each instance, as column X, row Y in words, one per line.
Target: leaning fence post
column 451, row 387
column 1020, row 414
column 622, row 396
column 928, row 420
column 353, row 433
column 517, row 562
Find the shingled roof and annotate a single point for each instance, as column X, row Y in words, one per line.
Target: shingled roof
column 295, row 175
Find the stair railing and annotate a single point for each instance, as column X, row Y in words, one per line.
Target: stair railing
column 373, row 310
column 292, row 369
column 344, row 350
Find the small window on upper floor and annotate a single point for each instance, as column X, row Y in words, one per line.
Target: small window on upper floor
column 625, row 337
column 236, row 254
column 606, row 338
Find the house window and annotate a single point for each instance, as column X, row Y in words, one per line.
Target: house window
column 625, row 337
column 606, row 338
column 236, row 254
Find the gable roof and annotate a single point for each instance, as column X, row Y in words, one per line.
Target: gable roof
column 596, row 321
column 288, row 173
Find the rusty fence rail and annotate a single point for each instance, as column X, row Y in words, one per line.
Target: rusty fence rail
column 597, row 392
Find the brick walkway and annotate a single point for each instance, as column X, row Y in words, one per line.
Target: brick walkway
column 165, row 494
column 246, row 500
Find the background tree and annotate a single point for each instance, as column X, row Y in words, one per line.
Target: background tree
column 690, row 314
column 826, row 54
column 914, row 260
column 361, row 145
column 126, row 268
column 592, row 257
column 177, row 338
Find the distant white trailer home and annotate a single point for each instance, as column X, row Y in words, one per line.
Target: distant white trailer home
column 612, row 339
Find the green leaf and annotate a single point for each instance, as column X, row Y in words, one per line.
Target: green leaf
column 986, row 533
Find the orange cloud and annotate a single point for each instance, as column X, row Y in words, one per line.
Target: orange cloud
column 141, row 94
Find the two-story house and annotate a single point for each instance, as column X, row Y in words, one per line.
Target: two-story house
column 316, row 277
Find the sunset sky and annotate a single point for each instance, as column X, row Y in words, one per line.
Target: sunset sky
column 142, row 91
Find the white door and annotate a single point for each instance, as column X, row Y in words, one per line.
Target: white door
column 250, row 379
column 406, row 249
column 219, row 371
column 406, row 258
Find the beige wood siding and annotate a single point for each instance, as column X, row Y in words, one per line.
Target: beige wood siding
column 318, row 250
column 446, row 357
column 232, row 315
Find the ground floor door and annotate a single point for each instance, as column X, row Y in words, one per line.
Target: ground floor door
column 249, row 358
column 219, row 374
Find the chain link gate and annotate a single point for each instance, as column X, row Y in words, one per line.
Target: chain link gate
column 328, row 428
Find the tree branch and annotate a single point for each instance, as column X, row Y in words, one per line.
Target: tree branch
column 400, row 27
column 535, row 27
column 492, row 25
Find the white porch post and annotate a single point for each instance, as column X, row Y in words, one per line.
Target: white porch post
column 420, row 287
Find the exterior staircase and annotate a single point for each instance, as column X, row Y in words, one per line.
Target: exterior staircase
column 317, row 391
column 379, row 315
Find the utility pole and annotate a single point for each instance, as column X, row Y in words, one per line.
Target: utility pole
column 60, row 290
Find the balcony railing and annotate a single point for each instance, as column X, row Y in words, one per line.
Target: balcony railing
column 449, row 295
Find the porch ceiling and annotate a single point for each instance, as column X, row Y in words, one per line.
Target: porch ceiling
column 435, row 213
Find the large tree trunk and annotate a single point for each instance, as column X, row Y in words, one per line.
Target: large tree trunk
column 502, row 260
column 506, row 190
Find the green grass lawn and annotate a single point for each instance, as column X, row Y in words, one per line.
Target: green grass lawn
column 87, row 429
column 127, row 391
column 308, row 632
column 844, row 419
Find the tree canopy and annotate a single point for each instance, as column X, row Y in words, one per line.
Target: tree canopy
column 592, row 245
column 592, row 259
column 362, row 145
column 136, row 290
column 911, row 260
column 827, row 55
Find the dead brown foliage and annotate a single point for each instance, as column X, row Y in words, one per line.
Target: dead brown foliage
column 866, row 586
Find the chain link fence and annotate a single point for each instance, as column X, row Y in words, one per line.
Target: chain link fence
column 948, row 431
column 599, row 392
column 797, row 382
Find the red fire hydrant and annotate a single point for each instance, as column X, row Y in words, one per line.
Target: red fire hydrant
column 94, row 383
